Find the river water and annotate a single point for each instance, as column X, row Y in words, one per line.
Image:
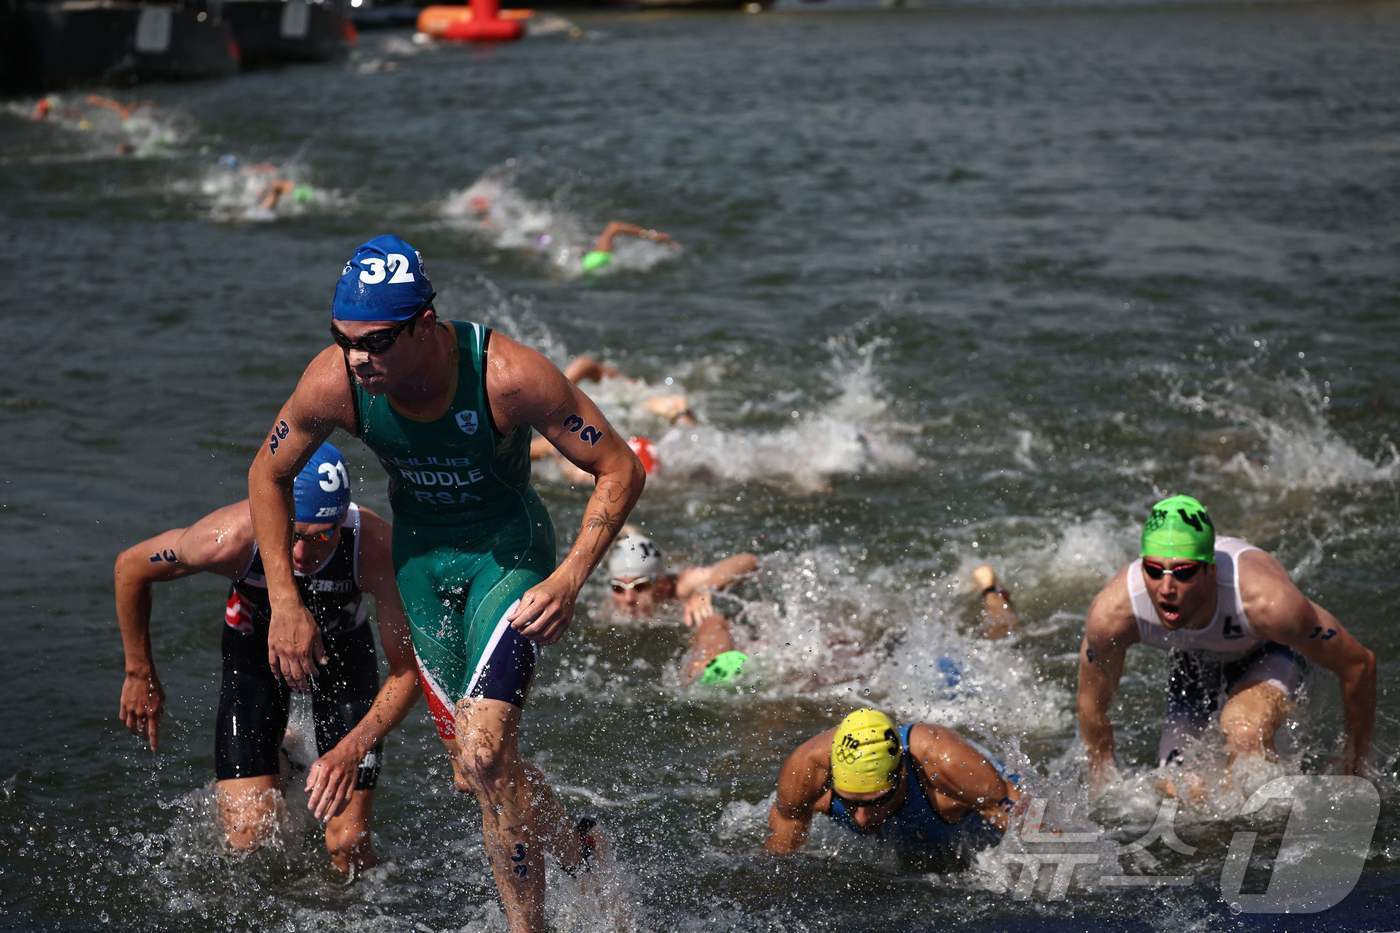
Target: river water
column 957, row 284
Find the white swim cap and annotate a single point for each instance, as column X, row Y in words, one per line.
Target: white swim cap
column 636, row 555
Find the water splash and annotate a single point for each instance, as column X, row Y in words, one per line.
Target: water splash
column 1284, row 429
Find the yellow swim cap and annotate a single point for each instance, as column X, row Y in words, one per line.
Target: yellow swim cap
column 864, row 753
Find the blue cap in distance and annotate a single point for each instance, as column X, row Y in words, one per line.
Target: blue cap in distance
column 383, row 281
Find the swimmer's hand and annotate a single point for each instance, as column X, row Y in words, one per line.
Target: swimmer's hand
column 142, row 704
column 331, row 780
column 294, row 648
column 545, row 611
column 698, row 607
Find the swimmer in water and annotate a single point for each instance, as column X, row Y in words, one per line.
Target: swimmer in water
column 641, row 585
column 601, row 256
column 340, row 552
column 1241, row 637
column 920, row 787
column 272, row 186
column 999, row 617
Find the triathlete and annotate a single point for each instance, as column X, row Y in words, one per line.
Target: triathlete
column 1240, row 635
column 922, row 787
column 448, row 408
column 341, row 551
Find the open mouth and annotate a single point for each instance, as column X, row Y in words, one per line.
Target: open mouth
column 1171, row 614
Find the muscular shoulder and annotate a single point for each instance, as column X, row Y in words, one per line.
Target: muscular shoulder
column 523, row 386
column 806, row 770
column 323, row 391
column 513, row 370
column 1110, row 616
column 1271, row 599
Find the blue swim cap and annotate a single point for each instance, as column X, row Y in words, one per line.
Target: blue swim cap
column 229, row 161
column 322, row 488
column 383, row 281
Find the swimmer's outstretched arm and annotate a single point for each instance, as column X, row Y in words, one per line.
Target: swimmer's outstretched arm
column 614, row 229
column 220, row 542
column 525, row 388
column 319, row 404
column 1109, row 630
column 801, row 782
column 716, row 576
column 331, row 780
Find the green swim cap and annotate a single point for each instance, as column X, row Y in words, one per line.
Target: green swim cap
column 1179, row 527
column 724, row 668
column 596, row 259
column 303, row 194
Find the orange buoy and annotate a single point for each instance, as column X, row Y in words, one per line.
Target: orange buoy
column 646, row 452
column 467, row 23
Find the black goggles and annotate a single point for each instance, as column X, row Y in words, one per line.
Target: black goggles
column 379, row 341
column 1180, row 574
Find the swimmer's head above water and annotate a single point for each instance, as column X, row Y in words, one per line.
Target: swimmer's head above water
column 636, row 570
column 321, row 499
column 865, row 753
column 382, row 296
column 1178, row 562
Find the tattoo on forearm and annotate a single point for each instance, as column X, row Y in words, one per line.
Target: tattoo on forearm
column 586, row 432
column 603, row 520
column 279, row 434
column 167, row 555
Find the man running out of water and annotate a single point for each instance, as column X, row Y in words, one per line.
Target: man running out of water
column 1240, row 634
column 448, row 408
column 340, row 552
column 921, row 787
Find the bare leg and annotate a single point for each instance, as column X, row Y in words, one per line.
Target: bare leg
column 1250, row 718
column 560, row 839
column 347, row 835
column 491, row 768
column 248, row 810
column 999, row 619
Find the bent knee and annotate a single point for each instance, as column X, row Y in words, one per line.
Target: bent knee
column 483, row 767
column 247, row 837
column 345, row 841
column 1245, row 733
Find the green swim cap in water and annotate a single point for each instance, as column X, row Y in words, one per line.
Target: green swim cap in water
column 724, row 668
column 596, row 259
column 1179, row 527
column 303, row 194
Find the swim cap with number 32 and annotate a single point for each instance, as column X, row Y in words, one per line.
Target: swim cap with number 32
column 383, row 281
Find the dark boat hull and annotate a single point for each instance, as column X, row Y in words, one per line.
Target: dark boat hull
column 271, row 32
column 61, row 45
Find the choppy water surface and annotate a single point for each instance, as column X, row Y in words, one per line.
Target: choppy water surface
column 958, row 284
